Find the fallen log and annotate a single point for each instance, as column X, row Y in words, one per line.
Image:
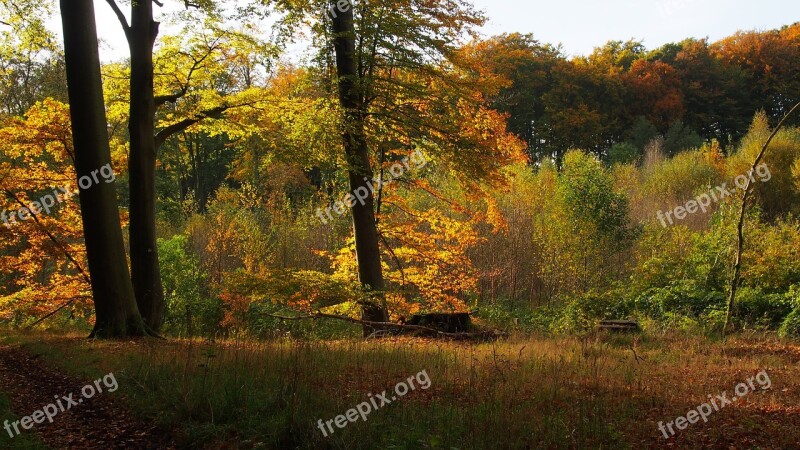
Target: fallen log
column 448, row 322
column 384, row 328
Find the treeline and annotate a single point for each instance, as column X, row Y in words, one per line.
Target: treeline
column 616, row 100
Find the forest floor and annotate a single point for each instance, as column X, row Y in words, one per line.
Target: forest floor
column 29, row 384
column 601, row 391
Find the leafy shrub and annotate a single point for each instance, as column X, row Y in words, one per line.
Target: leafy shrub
column 504, row 316
column 756, row 308
column 684, row 297
column 191, row 310
column 791, row 325
column 583, row 313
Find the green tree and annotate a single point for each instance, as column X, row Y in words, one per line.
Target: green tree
column 679, row 138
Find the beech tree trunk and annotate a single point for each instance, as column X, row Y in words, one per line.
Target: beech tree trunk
column 145, row 270
column 116, row 311
column 370, row 272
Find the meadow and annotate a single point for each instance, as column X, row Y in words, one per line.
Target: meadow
column 597, row 391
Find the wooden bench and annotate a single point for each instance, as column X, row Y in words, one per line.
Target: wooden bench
column 620, row 326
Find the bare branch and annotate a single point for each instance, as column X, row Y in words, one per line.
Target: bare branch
column 121, row 17
column 161, row 100
column 164, row 134
column 51, row 237
column 52, row 313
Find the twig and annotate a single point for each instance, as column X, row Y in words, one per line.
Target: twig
column 635, row 355
column 394, row 256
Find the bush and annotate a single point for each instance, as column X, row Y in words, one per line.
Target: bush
column 501, row 315
column 755, row 308
column 791, row 325
column 583, row 313
column 683, row 297
column 190, row 309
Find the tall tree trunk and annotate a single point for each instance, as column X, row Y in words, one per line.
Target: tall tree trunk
column 115, row 306
column 370, row 272
column 145, row 271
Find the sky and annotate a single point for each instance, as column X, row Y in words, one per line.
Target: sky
column 582, row 25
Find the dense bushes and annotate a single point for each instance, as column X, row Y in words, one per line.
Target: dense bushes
column 556, row 250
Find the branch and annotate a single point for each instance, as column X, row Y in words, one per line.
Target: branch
column 161, row 100
column 740, row 226
column 51, row 314
column 214, row 113
column 122, row 20
column 52, row 238
column 394, row 256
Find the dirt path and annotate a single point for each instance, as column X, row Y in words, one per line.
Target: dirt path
column 99, row 422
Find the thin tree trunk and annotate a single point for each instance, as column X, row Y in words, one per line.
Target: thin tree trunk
column 360, row 172
column 115, row 306
column 145, row 270
column 740, row 225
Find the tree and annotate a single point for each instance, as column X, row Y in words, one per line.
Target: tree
column 31, row 61
column 716, row 96
column 526, row 66
column 116, row 311
column 655, row 91
column 679, row 138
column 145, row 273
column 641, row 133
column 740, row 239
column 617, row 56
column 42, row 268
column 768, row 60
column 351, row 99
column 145, row 140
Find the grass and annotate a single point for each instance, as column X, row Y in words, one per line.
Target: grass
column 594, row 392
column 25, row 441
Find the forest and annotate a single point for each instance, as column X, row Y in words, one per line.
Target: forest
column 540, row 250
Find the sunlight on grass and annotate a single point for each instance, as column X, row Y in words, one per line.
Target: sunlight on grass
column 554, row 393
